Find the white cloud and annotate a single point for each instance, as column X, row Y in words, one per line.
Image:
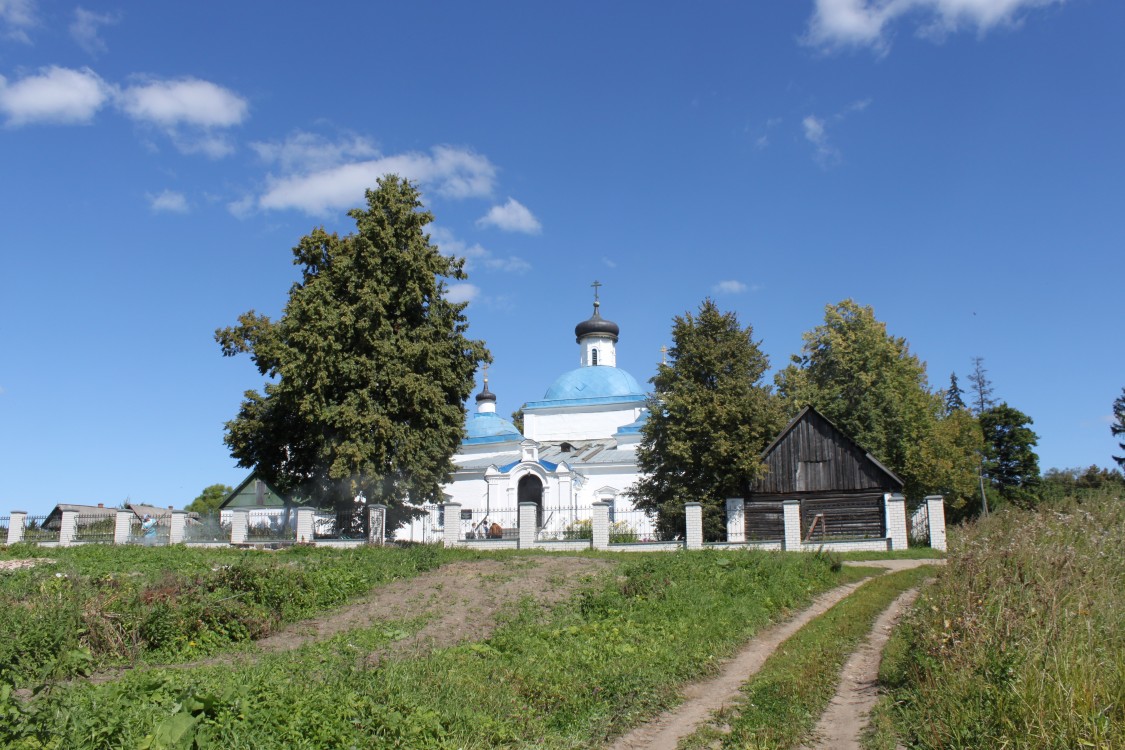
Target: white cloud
column 16, row 17
column 169, row 201
column 462, row 292
column 730, row 286
column 303, row 151
column 475, row 255
column 609, row 262
column 211, row 145
column 513, row 216
column 450, row 171
column 84, row 29
column 188, row 101
column 865, row 23
column 826, row 154
column 57, row 95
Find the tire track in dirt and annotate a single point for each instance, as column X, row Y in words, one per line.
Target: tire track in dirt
column 842, row 723
column 702, row 699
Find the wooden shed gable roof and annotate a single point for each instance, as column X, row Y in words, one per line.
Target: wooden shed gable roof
column 811, row 454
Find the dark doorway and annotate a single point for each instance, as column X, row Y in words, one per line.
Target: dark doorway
column 530, row 490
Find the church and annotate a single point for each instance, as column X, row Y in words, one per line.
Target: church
column 578, row 446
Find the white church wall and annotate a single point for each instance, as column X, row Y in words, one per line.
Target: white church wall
column 593, row 422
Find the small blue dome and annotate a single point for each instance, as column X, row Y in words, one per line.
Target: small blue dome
column 490, row 428
column 635, row 427
column 593, row 382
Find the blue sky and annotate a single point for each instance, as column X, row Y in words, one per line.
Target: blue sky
column 956, row 164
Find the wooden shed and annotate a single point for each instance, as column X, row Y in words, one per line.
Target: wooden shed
column 840, row 485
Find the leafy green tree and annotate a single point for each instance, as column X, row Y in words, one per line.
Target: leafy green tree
column 953, row 399
column 517, row 417
column 947, row 461
column 981, row 386
column 369, row 364
column 871, row 385
column 210, row 499
column 1118, row 426
column 710, row 418
column 1011, row 465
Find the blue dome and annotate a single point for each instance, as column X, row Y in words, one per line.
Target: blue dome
column 490, row 428
column 593, row 382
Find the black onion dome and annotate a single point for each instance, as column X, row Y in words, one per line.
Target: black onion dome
column 486, row 395
column 596, row 325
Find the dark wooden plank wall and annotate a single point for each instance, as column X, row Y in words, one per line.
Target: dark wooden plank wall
column 765, row 520
column 815, row 457
column 858, row 516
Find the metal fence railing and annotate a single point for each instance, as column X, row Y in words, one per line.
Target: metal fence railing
column 565, row 524
column 634, row 527
column 95, row 527
column 485, row 525
column 330, row 524
column 5, row 523
column 151, row 531
column 35, row 529
column 205, row 527
column 271, row 525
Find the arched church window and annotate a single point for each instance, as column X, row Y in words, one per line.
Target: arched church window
column 594, row 357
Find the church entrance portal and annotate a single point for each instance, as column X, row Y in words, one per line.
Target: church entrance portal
column 530, row 490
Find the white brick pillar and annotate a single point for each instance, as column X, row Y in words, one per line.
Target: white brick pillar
column 176, row 527
column 451, row 531
column 736, row 520
column 67, row 528
column 305, row 525
column 935, row 506
column 791, row 515
column 239, row 522
column 15, row 526
column 122, row 525
column 528, row 522
column 600, row 526
column 693, row 526
column 896, row 520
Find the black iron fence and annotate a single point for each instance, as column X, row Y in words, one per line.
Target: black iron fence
column 35, row 529
column 95, row 528
column 565, row 524
column 484, row 525
column 201, row 528
column 634, row 527
column 274, row 525
column 149, row 530
column 5, row 524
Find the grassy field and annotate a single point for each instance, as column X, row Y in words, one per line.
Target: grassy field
column 570, row 676
column 99, row 605
column 1021, row 642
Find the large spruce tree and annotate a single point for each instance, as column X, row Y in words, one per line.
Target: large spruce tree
column 710, row 417
column 369, row 364
column 1011, row 465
